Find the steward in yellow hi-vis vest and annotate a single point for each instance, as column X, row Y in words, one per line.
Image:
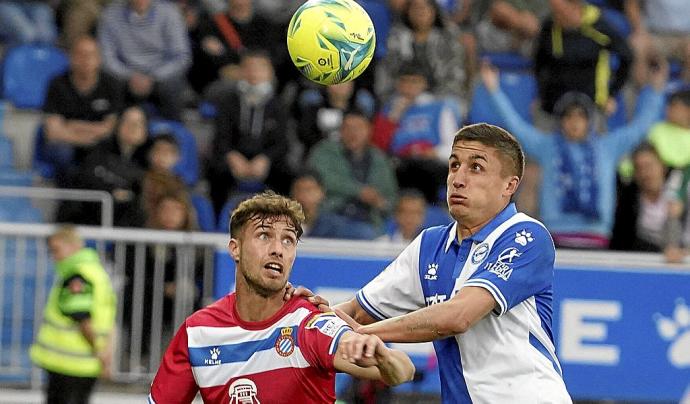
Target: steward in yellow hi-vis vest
column 73, row 343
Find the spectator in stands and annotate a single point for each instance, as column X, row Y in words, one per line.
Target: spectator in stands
column 80, row 17
column 642, row 208
column 163, row 153
column 508, row 25
column 116, row 165
column 155, row 185
column 74, row 343
column 423, row 35
column 671, row 137
column 358, row 178
column 308, row 191
column 409, row 216
column 578, row 165
column 660, row 29
column 27, row 21
column 250, row 145
column 574, row 52
column 678, row 224
column 221, row 37
column 81, row 105
column 173, row 212
column 418, row 129
column 145, row 43
column 321, row 110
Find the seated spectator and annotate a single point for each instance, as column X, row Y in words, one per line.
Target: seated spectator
column 115, row 165
column 308, row 191
column 423, row 35
column 27, row 21
column 155, row 185
column 578, row 164
column 221, row 37
column 80, row 17
column 508, row 25
column 81, row 106
column 163, row 153
column 409, row 216
column 642, row 208
column 574, row 52
column 358, row 178
column 321, row 110
column 417, row 128
column 250, row 145
column 145, row 44
column 671, row 137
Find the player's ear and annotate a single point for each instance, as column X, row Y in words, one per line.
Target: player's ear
column 511, row 186
column 234, row 249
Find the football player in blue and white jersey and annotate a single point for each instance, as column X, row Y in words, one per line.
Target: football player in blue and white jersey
column 480, row 288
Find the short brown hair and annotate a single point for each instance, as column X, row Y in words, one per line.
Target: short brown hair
column 264, row 206
column 509, row 149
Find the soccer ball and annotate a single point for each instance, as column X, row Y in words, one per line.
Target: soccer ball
column 331, row 41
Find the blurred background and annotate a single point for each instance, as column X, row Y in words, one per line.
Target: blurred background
column 145, row 122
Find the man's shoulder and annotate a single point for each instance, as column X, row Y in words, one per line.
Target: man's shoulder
column 524, row 232
column 217, row 314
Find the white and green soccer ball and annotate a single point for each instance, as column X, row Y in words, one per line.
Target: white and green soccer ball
column 331, row 41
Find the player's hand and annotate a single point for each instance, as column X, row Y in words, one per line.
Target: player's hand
column 363, row 350
column 321, row 303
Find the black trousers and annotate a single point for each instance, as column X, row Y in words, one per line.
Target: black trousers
column 62, row 389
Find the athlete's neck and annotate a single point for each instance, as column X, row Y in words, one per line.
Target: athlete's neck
column 253, row 307
column 465, row 230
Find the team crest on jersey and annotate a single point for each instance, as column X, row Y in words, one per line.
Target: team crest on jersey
column 285, row 344
column 243, row 391
column 480, row 253
column 503, row 267
column 431, row 272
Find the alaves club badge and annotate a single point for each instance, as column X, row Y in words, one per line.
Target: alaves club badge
column 285, row 344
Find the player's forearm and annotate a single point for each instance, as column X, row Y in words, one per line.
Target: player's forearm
column 354, row 310
column 424, row 325
column 395, row 367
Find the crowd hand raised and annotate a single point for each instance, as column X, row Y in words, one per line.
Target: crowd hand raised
column 489, row 75
column 321, row 303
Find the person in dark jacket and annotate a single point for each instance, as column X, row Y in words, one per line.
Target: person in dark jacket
column 250, row 145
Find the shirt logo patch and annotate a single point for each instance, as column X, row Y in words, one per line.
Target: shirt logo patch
column 503, row 267
column 523, row 238
column 431, row 272
column 285, row 344
column 480, row 253
column 243, row 391
column 215, row 352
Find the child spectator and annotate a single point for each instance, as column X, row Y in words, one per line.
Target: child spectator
column 409, row 217
column 163, row 153
column 671, row 137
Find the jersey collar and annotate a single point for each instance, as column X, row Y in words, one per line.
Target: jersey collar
column 484, row 232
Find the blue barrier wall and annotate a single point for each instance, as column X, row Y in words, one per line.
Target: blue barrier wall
column 620, row 333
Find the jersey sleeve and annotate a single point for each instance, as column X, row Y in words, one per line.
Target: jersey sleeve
column 519, row 265
column 319, row 336
column 396, row 290
column 174, row 381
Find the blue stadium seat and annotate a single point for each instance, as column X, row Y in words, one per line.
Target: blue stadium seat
column 6, row 153
column 204, row 213
column 188, row 167
column 519, row 87
column 27, row 71
column 12, row 177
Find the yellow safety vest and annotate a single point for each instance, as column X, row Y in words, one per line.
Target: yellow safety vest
column 60, row 346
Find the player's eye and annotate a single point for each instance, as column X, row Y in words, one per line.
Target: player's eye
column 454, row 165
column 476, row 167
column 263, row 236
column 288, row 241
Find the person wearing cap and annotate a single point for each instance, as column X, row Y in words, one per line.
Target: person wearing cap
column 577, row 198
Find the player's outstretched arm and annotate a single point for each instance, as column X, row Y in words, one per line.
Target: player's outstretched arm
column 355, row 311
column 370, row 358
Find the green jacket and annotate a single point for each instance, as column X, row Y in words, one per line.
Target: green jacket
column 82, row 289
column 329, row 159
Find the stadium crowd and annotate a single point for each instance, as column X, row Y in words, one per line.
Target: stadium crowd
column 597, row 91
